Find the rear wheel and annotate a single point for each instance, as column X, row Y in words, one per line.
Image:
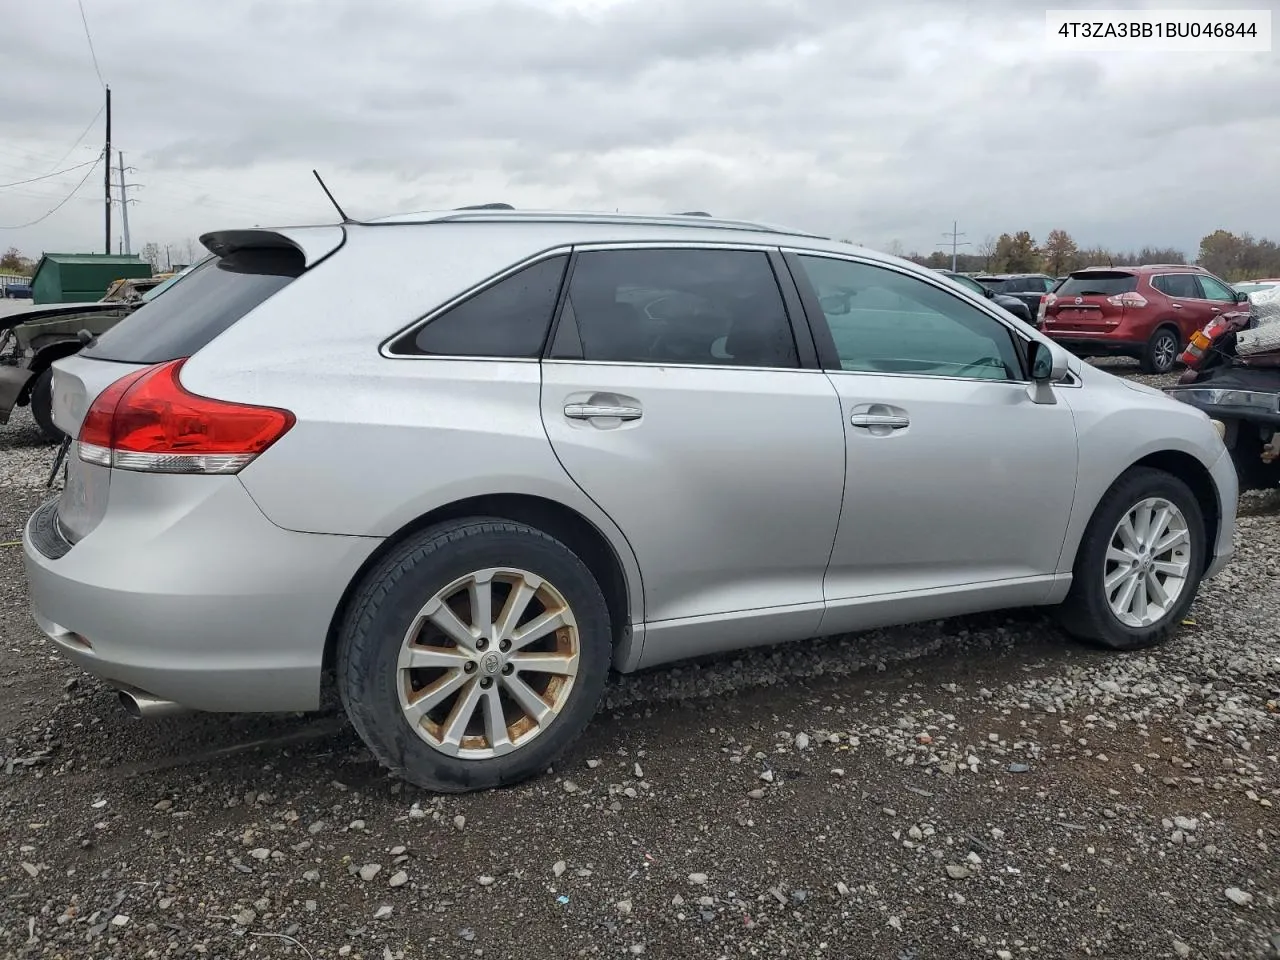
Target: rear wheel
column 1161, row 351
column 474, row 654
column 1139, row 564
column 42, row 405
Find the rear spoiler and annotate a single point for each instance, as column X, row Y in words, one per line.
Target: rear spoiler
column 314, row 243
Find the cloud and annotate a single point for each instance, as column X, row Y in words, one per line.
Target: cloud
column 876, row 121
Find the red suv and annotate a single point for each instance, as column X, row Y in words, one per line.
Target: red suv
column 1146, row 312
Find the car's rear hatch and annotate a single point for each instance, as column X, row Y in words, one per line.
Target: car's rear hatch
column 248, row 267
column 1090, row 301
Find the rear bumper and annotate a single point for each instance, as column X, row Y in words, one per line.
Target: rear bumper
column 1094, row 344
column 197, row 599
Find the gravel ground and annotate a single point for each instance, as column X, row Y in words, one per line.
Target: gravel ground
column 980, row 787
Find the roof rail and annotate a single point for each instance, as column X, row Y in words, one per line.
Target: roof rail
column 493, row 213
column 487, row 206
column 1190, row 265
column 693, row 213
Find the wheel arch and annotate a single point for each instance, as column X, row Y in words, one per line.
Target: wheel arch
column 47, row 352
column 564, row 523
column 1187, row 468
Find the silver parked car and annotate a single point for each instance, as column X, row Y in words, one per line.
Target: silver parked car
column 532, row 446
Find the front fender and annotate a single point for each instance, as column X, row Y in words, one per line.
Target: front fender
column 13, row 381
column 1107, row 449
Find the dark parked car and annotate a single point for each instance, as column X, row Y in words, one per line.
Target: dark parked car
column 1148, row 312
column 1012, row 304
column 17, row 291
column 1027, row 287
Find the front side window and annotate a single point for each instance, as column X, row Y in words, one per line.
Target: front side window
column 1213, row 290
column 677, row 306
column 507, row 319
column 883, row 321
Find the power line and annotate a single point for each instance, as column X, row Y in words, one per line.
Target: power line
column 84, row 133
column 18, row 183
column 61, row 203
column 93, row 53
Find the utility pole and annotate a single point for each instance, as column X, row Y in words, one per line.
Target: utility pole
column 124, row 202
column 106, row 180
column 955, row 236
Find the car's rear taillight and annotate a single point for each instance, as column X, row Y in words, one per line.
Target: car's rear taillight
column 1046, row 302
column 149, row 422
column 1127, row 300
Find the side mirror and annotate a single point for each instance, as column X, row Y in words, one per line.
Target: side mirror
column 988, row 293
column 1241, row 297
column 1048, row 365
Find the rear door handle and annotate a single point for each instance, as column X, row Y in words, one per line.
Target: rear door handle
column 891, row 421
column 591, row 411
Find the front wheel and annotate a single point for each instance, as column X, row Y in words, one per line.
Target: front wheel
column 1161, row 351
column 1139, row 564
column 474, row 654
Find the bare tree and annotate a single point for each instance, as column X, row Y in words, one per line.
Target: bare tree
column 152, row 253
column 987, row 251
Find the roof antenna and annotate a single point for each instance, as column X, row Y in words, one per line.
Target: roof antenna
column 341, row 212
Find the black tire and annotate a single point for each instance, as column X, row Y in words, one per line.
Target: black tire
column 1086, row 612
column 391, row 594
column 1161, row 352
column 42, row 406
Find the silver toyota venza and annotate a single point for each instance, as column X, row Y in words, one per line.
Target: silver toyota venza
column 466, row 462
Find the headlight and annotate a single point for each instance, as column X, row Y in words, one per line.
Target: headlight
column 1268, row 402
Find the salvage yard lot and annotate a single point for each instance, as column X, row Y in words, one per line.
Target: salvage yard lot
column 971, row 788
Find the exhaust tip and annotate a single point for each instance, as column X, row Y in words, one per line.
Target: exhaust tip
column 130, row 704
column 141, row 705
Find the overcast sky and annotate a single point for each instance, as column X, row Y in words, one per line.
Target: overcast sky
column 872, row 121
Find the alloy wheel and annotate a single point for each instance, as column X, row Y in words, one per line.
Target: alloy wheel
column 488, row 663
column 1147, row 563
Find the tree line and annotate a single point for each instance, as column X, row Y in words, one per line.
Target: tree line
column 1234, row 257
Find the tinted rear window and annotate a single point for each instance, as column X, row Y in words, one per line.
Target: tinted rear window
column 204, row 303
column 1100, row 283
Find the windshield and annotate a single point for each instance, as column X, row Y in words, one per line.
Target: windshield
column 969, row 282
column 216, row 294
column 1098, row 283
column 1253, row 287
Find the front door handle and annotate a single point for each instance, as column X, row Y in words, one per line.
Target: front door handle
column 1176, row 306
column 888, row 420
column 592, row 411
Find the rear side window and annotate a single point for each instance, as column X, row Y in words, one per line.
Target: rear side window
column 507, row 319
column 678, row 306
column 199, row 306
column 1177, row 285
column 1098, row 283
